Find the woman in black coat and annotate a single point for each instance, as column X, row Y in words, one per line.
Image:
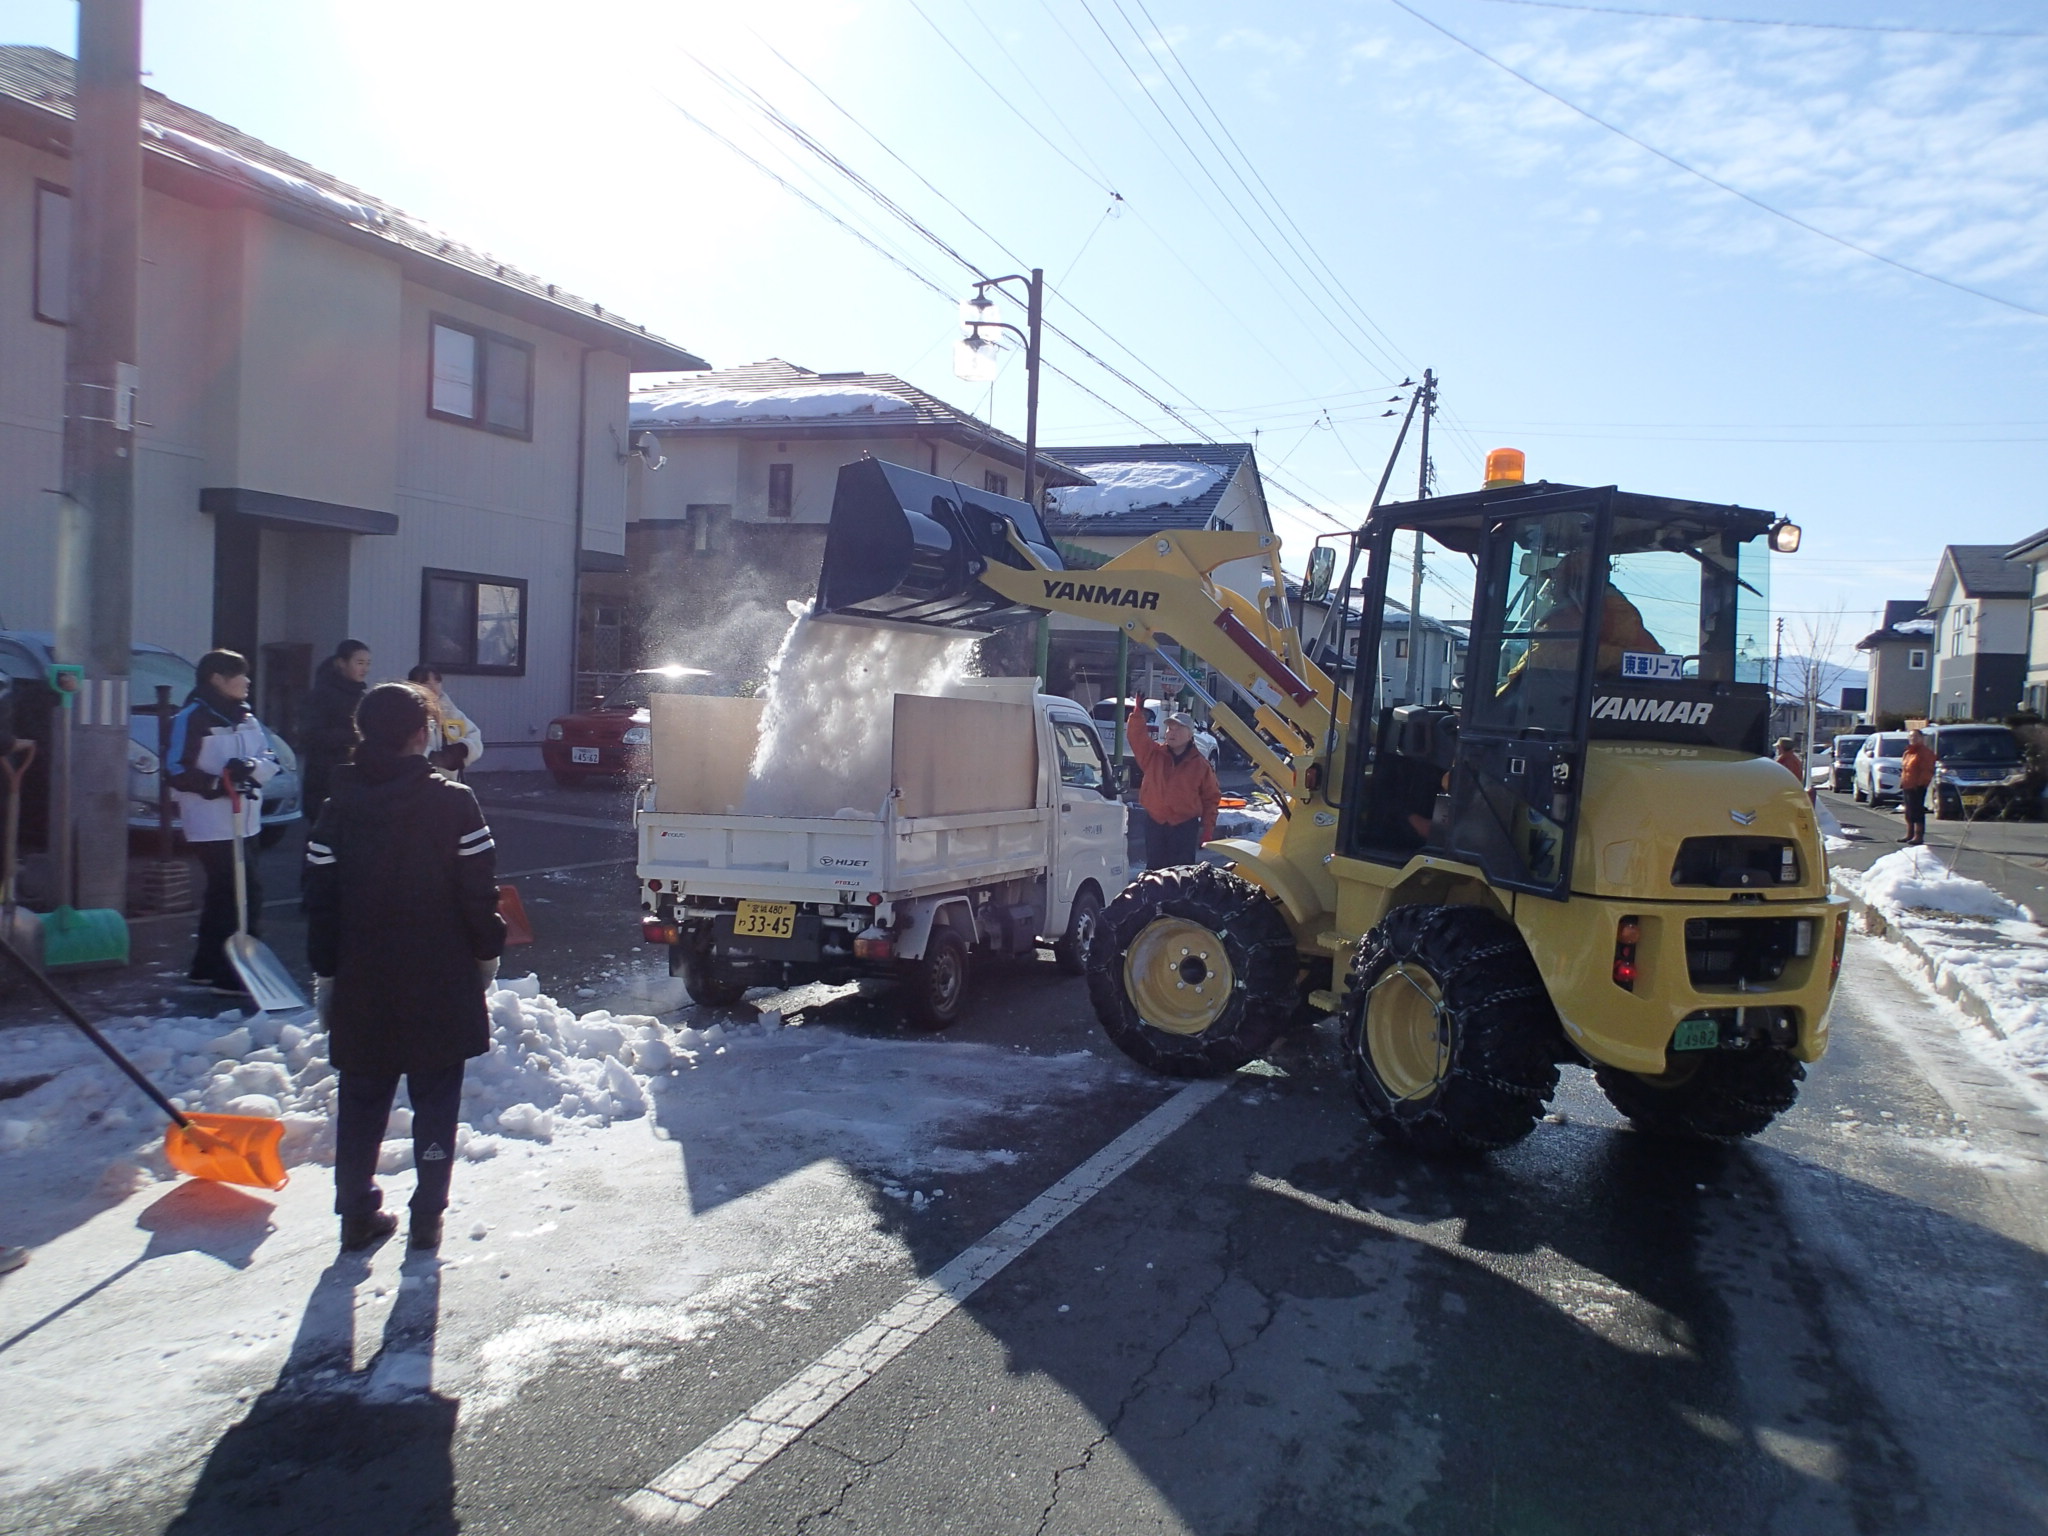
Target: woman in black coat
column 327, row 721
column 403, row 933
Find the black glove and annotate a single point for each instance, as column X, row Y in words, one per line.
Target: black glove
column 241, row 772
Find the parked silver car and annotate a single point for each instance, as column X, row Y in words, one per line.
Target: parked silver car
column 1876, row 779
column 25, row 656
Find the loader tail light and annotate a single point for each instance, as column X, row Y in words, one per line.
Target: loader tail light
column 1841, row 940
column 658, row 930
column 1627, row 934
column 874, row 949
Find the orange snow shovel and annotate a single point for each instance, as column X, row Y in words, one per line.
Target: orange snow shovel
column 228, row 1149
column 517, row 929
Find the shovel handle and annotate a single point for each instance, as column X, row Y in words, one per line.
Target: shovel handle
column 65, row 1006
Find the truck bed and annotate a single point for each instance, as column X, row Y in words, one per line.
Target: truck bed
column 832, row 858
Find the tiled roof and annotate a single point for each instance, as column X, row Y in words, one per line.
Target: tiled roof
column 1983, row 571
column 36, row 91
column 922, row 412
column 1196, row 513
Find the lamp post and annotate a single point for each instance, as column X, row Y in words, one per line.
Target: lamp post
column 974, row 359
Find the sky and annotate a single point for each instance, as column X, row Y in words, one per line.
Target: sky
column 1626, row 243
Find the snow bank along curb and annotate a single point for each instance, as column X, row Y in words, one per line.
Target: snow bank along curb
column 1949, row 924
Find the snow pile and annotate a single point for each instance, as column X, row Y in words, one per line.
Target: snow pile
column 1253, row 820
column 703, row 404
column 1834, row 836
column 828, row 723
column 548, row 1069
column 1916, row 880
column 1121, row 488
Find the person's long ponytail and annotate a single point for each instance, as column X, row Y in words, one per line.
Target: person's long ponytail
column 388, row 720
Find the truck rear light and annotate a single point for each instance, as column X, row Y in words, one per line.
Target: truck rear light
column 658, row 930
column 1627, row 934
column 1841, row 939
column 874, row 949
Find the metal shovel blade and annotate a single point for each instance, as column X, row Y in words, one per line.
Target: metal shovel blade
column 269, row 983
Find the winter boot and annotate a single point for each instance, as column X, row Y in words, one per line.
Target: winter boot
column 426, row 1230
column 360, row 1232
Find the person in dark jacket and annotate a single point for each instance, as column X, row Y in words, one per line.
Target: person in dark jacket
column 327, row 721
column 216, row 742
column 403, row 933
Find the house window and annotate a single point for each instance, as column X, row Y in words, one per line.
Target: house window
column 1400, row 649
column 480, row 379
column 1916, row 661
column 995, row 484
column 708, row 526
column 53, row 254
column 781, row 492
column 472, row 623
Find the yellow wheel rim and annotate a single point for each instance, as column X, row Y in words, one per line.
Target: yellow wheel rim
column 1407, row 1036
column 1177, row 976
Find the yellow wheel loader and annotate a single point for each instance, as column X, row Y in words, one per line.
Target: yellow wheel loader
column 1566, row 847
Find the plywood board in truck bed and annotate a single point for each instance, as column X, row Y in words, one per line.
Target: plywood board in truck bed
column 702, row 749
column 961, row 757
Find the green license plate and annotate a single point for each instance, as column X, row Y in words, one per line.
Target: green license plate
column 1697, row 1035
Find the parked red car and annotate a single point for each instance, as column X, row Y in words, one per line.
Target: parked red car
column 613, row 738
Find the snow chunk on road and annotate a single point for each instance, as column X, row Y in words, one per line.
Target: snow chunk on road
column 1916, row 880
column 1121, row 488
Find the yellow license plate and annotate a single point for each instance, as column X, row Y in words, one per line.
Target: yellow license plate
column 765, row 920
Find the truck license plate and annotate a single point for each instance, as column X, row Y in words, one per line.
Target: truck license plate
column 583, row 754
column 1696, row 1035
column 765, row 920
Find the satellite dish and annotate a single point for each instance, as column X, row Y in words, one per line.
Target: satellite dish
column 649, row 449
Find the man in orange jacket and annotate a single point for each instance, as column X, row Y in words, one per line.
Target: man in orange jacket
column 1179, row 792
column 1916, row 772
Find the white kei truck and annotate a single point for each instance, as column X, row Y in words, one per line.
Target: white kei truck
column 1002, row 830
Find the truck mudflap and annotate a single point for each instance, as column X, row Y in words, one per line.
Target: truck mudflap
column 908, row 548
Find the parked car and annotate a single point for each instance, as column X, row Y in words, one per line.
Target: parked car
column 1976, row 768
column 1841, row 761
column 1876, row 778
column 1107, row 712
column 25, row 655
column 613, row 739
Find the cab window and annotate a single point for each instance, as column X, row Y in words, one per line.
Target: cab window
column 1080, row 754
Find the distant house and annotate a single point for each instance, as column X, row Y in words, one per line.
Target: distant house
column 730, row 530
column 1445, row 645
column 1901, row 652
column 2033, row 553
column 1137, row 491
column 349, row 424
column 1979, row 604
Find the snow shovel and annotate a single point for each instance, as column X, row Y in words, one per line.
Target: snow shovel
column 517, row 929
column 262, row 973
column 74, row 936
column 19, row 927
column 228, row 1149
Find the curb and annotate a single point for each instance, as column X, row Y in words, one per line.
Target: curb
column 1871, row 920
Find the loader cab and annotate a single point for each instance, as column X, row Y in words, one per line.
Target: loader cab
column 1593, row 615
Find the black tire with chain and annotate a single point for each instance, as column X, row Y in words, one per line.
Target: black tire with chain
column 1504, row 1043
column 1255, row 940
column 1717, row 1095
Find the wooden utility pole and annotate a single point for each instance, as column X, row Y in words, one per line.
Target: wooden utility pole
column 96, row 581
column 1416, row 674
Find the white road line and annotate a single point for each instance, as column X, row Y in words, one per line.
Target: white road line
column 695, row 1485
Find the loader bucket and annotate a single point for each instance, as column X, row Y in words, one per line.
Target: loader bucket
column 905, row 547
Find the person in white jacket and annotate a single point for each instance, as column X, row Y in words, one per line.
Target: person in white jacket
column 221, row 758
column 453, row 741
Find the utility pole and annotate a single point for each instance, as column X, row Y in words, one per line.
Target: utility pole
column 96, row 583
column 1416, row 674
column 1777, row 667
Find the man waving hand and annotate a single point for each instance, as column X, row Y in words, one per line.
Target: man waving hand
column 1179, row 791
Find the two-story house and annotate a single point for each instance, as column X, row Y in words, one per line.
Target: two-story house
column 350, row 425
column 730, row 529
column 1979, row 604
column 2032, row 553
column 1900, row 654
column 1134, row 492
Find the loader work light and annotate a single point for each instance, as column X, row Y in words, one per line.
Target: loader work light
column 1505, row 466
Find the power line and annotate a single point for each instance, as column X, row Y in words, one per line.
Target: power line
column 1714, row 181
column 1758, row 21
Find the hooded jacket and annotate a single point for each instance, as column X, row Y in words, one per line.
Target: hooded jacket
column 206, row 735
column 401, row 904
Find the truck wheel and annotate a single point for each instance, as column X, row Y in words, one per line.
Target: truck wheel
column 936, row 987
column 1192, row 971
column 1083, row 918
column 1452, row 1041
column 712, row 983
column 1720, row 1095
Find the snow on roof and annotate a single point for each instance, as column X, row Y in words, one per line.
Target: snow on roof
column 1126, row 487
column 217, row 158
column 797, row 402
column 1914, row 627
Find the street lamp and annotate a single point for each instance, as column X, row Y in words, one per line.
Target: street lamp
column 975, row 354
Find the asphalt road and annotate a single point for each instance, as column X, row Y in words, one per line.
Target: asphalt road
column 1269, row 1323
